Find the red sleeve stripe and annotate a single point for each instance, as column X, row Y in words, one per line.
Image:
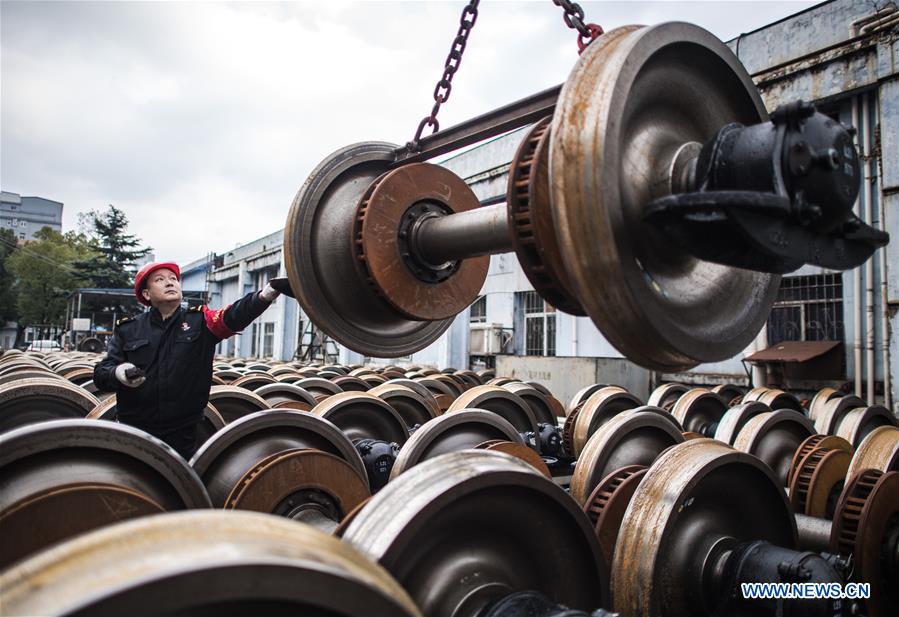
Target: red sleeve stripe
column 215, row 322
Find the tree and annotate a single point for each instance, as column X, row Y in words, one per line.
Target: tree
column 46, row 276
column 117, row 250
column 8, row 296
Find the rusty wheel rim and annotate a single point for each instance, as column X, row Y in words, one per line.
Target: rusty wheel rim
column 414, row 408
column 318, row 256
column 681, row 507
column 866, row 521
column 879, row 450
column 442, row 529
column 234, row 402
column 620, row 118
column 813, row 443
column 736, row 418
column 666, row 395
column 361, row 415
column 774, row 438
column 519, row 451
column 32, row 400
column 538, row 402
column 112, row 472
column 307, row 485
column 831, row 412
column 858, row 423
column 608, row 502
column 204, row 563
column 460, row 430
column 818, row 481
column 700, row 411
column 602, row 406
column 500, row 401
column 631, row 438
column 821, row 397
column 529, row 213
column 223, row 460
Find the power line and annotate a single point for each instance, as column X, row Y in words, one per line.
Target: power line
column 49, row 260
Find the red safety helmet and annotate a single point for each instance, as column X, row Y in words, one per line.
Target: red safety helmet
column 144, row 272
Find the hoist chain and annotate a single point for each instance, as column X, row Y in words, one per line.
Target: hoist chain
column 574, row 18
column 453, row 60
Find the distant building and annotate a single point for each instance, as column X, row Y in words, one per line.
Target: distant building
column 27, row 215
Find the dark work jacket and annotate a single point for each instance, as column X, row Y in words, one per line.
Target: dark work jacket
column 176, row 356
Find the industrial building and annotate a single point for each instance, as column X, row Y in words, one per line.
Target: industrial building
column 26, row 215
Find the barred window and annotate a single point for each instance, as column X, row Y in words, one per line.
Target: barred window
column 478, row 312
column 268, row 340
column 539, row 325
column 808, row 308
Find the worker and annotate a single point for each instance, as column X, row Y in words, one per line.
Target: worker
column 159, row 363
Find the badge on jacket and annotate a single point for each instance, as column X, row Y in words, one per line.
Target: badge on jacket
column 185, row 326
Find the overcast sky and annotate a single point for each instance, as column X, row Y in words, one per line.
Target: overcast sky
column 201, row 120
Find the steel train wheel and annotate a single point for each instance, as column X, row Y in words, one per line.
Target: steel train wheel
column 821, row 397
column 415, row 409
column 683, row 505
column 831, row 413
column 816, row 442
column 461, row 531
column 602, row 406
column 277, row 393
column 318, row 239
column 32, row 400
column 204, row 563
column 519, row 451
column 736, row 418
column 303, row 484
column 700, row 410
column 666, row 395
column 361, row 415
column 731, row 393
column 460, row 430
column 583, row 394
column 866, row 525
column 858, row 423
column 65, row 477
column 500, row 401
column 774, row 438
column 234, row 402
column 536, row 400
column 608, row 503
column 818, row 481
column 879, row 450
column 223, row 461
column 633, row 101
column 630, row 438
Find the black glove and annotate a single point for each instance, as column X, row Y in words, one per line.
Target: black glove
column 282, row 285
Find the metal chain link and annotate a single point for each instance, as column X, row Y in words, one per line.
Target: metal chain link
column 453, row 60
column 574, row 19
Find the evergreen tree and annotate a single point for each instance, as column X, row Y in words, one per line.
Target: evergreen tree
column 118, row 250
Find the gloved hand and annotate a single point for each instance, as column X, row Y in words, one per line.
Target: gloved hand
column 274, row 288
column 282, row 285
column 135, row 380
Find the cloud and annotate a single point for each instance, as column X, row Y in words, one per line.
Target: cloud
column 201, row 120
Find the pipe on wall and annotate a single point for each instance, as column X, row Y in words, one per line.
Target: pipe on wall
column 857, row 276
column 884, row 291
column 869, row 265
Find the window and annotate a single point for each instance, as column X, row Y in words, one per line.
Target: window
column 479, row 311
column 268, row 340
column 539, row 325
column 254, row 339
column 808, row 308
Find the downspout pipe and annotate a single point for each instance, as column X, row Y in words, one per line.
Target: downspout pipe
column 869, row 265
column 857, row 275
